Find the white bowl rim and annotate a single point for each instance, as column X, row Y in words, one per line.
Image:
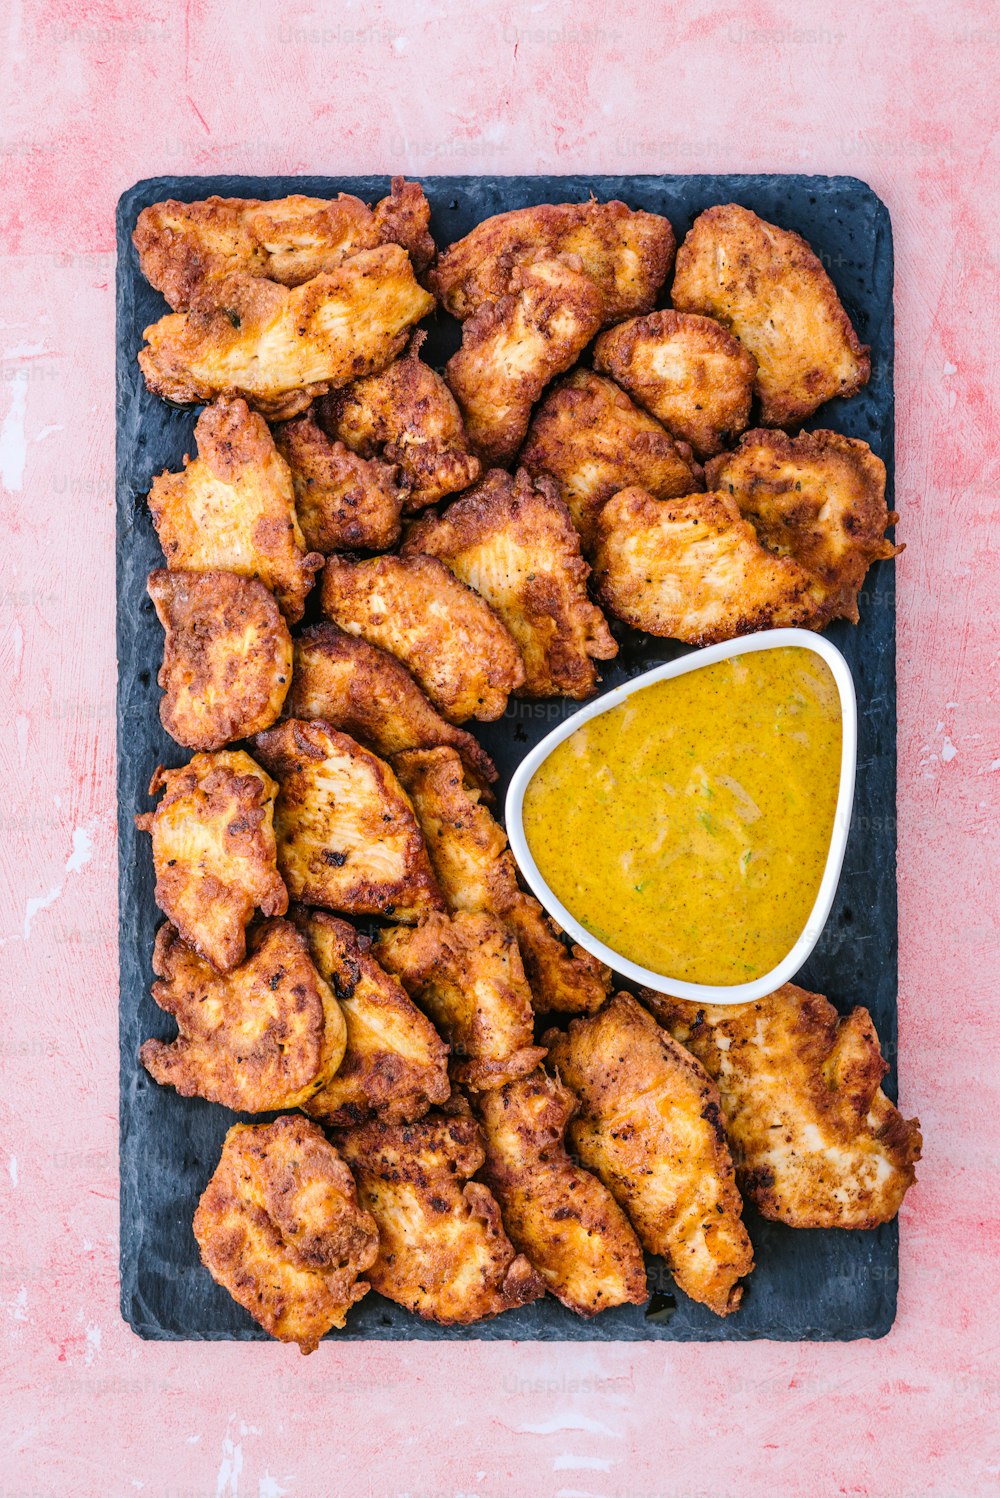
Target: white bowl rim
column 702, row 993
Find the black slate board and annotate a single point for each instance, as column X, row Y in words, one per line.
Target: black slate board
column 807, row 1285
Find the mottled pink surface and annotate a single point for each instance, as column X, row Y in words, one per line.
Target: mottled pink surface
column 97, row 95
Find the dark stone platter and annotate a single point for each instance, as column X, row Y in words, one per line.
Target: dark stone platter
column 807, row 1285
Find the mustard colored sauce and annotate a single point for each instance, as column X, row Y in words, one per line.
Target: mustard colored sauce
column 688, row 828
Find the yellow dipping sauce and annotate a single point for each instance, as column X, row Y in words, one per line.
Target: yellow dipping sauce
column 688, row 828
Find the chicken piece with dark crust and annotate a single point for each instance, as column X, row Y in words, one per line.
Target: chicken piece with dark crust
column 343, row 501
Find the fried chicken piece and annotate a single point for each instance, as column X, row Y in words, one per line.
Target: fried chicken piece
column 818, row 498
column 347, row 834
column 476, row 871
column 689, row 371
column 187, row 249
column 593, row 440
column 406, row 415
column 650, row 1126
column 214, row 851
column 280, row 1228
column 766, row 284
column 443, row 1252
column 562, row 1218
column 448, row 638
column 395, row 1064
column 513, row 540
column 227, row 656
column 282, row 348
column 465, row 970
column 342, row 500
column 267, row 1035
column 693, row 569
column 513, row 347
column 626, row 253
column 232, row 509
column 816, row 1142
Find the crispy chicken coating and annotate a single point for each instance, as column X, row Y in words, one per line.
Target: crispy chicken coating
column 766, row 284
column 689, row 371
column 282, row 348
column 465, row 970
column 406, row 415
column 214, row 851
column 476, row 872
column 267, row 1035
column 512, row 348
column 395, row 1064
column 593, row 440
column 816, row 1142
column 447, row 637
column 342, row 500
column 404, row 218
column 346, row 832
column 650, row 1126
column 562, row 1218
column 626, row 253
column 443, row 1252
column 227, row 656
column 280, row 1228
column 232, row 509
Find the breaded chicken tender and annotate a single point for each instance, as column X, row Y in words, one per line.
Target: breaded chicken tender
column 267, row 1035
column 465, row 970
column 395, row 1064
column 693, row 569
column 626, row 253
column 346, row 832
column 562, row 1218
column 593, row 440
column 406, row 415
column 513, row 347
column 818, row 498
column 214, row 851
column 227, row 656
column 816, row 1142
column 650, row 1126
column 232, row 509
column 443, row 1252
column 513, row 540
column 343, row 501
column 280, row 1228
column 689, row 371
column 447, row 637
column 475, row 870
column 282, row 348
column 766, row 285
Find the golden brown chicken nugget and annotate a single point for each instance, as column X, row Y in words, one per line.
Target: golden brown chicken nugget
column 404, row 218
column 650, row 1126
column 816, row 1142
column 465, row 970
column 443, row 1252
column 227, row 656
column 346, row 832
column 593, row 440
column 232, row 509
column 282, row 348
column 562, row 1218
column 689, row 371
column 214, row 851
column 395, row 1064
column 448, row 638
column 280, row 1228
column 342, row 501
column 766, row 284
column 267, row 1035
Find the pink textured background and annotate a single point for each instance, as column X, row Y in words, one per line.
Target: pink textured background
column 99, row 94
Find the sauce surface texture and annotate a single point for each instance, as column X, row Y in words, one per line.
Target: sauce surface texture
column 688, row 828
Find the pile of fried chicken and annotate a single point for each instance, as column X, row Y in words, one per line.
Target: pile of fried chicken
column 469, row 1117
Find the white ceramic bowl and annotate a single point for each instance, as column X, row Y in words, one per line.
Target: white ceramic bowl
column 737, row 993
